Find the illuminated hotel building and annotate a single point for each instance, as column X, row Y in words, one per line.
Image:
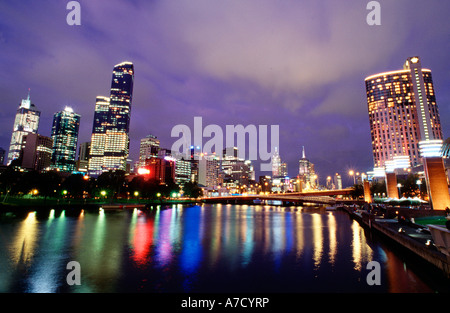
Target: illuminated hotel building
column 26, row 122
column 110, row 142
column 402, row 112
column 65, row 138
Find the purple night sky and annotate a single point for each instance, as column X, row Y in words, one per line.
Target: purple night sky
column 297, row 64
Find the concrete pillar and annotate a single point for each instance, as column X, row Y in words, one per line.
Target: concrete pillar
column 367, row 194
column 437, row 186
column 391, row 185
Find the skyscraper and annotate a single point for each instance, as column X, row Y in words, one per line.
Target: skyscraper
column 276, row 164
column 65, row 128
column 406, row 128
column 306, row 172
column 98, row 139
column 110, row 142
column 26, row 122
column 402, row 112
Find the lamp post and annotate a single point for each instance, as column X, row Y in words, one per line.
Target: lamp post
column 399, row 186
column 419, row 183
column 352, row 173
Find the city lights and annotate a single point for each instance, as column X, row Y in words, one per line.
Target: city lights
column 260, row 148
column 143, row 171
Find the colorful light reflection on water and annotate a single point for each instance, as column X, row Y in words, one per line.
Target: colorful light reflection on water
column 210, row 248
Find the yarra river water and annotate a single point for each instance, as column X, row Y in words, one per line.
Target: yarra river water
column 209, row 248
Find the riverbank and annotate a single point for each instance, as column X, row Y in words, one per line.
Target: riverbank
column 403, row 231
column 23, row 206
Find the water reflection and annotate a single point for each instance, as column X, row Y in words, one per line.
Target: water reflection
column 332, row 226
column 196, row 249
column 362, row 252
column 22, row 250
column 317, row 239
column 142, row 238
column 46, row 269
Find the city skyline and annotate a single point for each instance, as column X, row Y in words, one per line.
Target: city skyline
column 214, row 68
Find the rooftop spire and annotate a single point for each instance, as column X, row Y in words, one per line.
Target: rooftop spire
column 26, row 103
column 303, row 153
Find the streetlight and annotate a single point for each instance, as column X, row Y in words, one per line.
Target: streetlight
column 419, row 183
column 352, row 173
column 399, row 186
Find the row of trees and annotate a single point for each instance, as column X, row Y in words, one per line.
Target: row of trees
column 111, row 185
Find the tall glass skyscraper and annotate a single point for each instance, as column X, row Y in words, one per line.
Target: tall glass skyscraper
column 26, row 122
column 110, row 142
column 65, row 138
column 402, row 112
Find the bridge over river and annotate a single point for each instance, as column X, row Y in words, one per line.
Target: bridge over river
column 292, row 198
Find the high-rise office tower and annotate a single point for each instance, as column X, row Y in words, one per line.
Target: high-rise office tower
column 306, row 172
column 98, row 139
column 110, row 142
column 276, row 164
column 149, row 149
column 402, row 112
column 65, row 128
column 26, row 122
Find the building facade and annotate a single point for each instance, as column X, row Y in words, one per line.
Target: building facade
column 161, row 170
column 83, row 156
column 402, row 112
column 65, row 129
column 209, row 172
column 26, row 122
column 149, row 148
column 36, row 153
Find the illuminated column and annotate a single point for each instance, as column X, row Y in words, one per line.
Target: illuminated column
column 367, row 194
column 435, row 175
column 431, row 141
column 391, row 185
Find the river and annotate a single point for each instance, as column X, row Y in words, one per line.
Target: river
column 209, row 248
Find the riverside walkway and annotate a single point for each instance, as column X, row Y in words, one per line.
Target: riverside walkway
column 403, row 231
